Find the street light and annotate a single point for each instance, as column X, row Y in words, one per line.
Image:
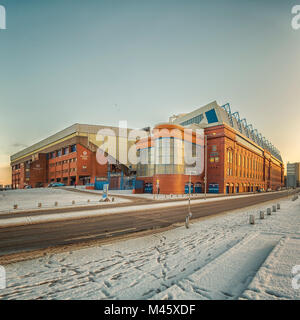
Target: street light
column 189, row 215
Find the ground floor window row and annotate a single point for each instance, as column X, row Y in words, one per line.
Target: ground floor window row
column 199, row 187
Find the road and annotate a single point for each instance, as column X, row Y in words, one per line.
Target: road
column 54, row 234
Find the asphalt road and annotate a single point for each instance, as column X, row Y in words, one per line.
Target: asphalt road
column 48, row 235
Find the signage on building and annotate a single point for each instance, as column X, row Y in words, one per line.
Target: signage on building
column 84, row 155
column 37, row 167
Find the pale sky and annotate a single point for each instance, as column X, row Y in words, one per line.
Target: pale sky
column 98, row 62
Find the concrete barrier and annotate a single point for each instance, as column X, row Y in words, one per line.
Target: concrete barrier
column 251, row 219
column 278, row 206
column 268, row 211
column 274, row 208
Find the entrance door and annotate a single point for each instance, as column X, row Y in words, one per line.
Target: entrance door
column 198, row 187
column 213, row 188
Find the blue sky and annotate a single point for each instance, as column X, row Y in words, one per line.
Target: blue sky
column 98, row 62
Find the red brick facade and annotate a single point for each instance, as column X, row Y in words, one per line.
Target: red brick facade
column 234, row 164
column 69, row 164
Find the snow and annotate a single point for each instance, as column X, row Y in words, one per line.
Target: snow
column 29, row 199
column 221, row 257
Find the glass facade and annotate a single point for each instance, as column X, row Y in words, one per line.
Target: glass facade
column 169, row 155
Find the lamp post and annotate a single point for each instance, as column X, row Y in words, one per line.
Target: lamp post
column 189, row 215
column 190, row 182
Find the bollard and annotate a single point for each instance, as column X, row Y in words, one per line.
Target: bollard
column 15, row 206
column 278, row 206
column 55, row 204
column 187, row 221
column 73, row 202
column 251, row 219
column 261, row 215
column 112, row 199
column 269, row 211
column 39, row 205
column 274, row 208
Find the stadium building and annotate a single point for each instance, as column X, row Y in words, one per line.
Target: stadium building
column 239, row 159
column 70, row 157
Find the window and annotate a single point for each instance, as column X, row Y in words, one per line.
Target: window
column 211, row 116
column 73, row 148
column 196, row 120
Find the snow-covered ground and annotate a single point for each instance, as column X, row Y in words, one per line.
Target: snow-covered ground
column 223, row 257
column 29, row 199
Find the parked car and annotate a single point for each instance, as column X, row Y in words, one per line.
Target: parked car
column 27, row 187
column 55, row 184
